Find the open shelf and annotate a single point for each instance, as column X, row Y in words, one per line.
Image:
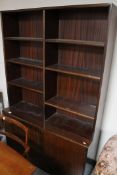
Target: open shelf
column 70, row 127
column 26, row 112
column 26, row 62
column 77, row 42
column 74, row 71
column 27, row 84
column 84, row 110
column 24, row 39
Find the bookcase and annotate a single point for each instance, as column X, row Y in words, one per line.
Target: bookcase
column 55, row 69
column 24, row 64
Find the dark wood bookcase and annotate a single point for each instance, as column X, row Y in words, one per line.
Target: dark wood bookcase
column 57, row 68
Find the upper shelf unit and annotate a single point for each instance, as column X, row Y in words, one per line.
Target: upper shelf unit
column 55, row 60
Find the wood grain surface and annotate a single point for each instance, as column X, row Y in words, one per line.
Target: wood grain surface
column 12, row 163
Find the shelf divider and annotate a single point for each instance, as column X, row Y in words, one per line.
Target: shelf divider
column 24, row 39
column 26, row 62
column 81, row 109
column 70, row 127
column 74, row 71
column 26, row 112
column 27, row 84
column 77, row 42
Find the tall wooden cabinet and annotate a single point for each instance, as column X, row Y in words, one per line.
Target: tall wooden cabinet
column 57, row 68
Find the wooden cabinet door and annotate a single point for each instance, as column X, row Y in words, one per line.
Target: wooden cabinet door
column 64, row 156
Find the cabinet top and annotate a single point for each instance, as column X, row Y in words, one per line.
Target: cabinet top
column 101, row 5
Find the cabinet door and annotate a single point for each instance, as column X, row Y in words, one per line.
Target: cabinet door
column 64, row 156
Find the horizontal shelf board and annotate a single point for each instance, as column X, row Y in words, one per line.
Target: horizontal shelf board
column 27, row 112
column 84, row 110
column 24, row 38
column 70, row 127
column 77, row 42
column 27, row 62
column 74, row 71
column 27, row 84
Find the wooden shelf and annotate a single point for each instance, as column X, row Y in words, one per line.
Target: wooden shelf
column 84, row 110
column 26, row 112
column 77, row 42
column 24, row 38
column 27, row 62
column 74, row 71
column 69, row 127
column 27, row 84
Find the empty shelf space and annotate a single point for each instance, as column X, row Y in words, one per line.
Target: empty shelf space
column 27, row 84
column 74, row 71
column 27, row 112
column 81, row 109
column 70, row 127
column 27, row 62
column 77, row 42
column 24, row 38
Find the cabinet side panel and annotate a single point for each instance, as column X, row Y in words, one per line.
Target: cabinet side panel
column 112, row 25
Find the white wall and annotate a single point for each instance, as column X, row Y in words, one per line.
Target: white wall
column 21, row 4
column 109, row 124
column 109, row 119
column 2, row 70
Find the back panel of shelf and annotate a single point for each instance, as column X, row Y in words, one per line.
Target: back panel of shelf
column 73, row 128
column 77, row 24
column 26, row 104
column 71, row 93
column 23, row 24
column 26, row 49
column 17, row 94
column 75, row 59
